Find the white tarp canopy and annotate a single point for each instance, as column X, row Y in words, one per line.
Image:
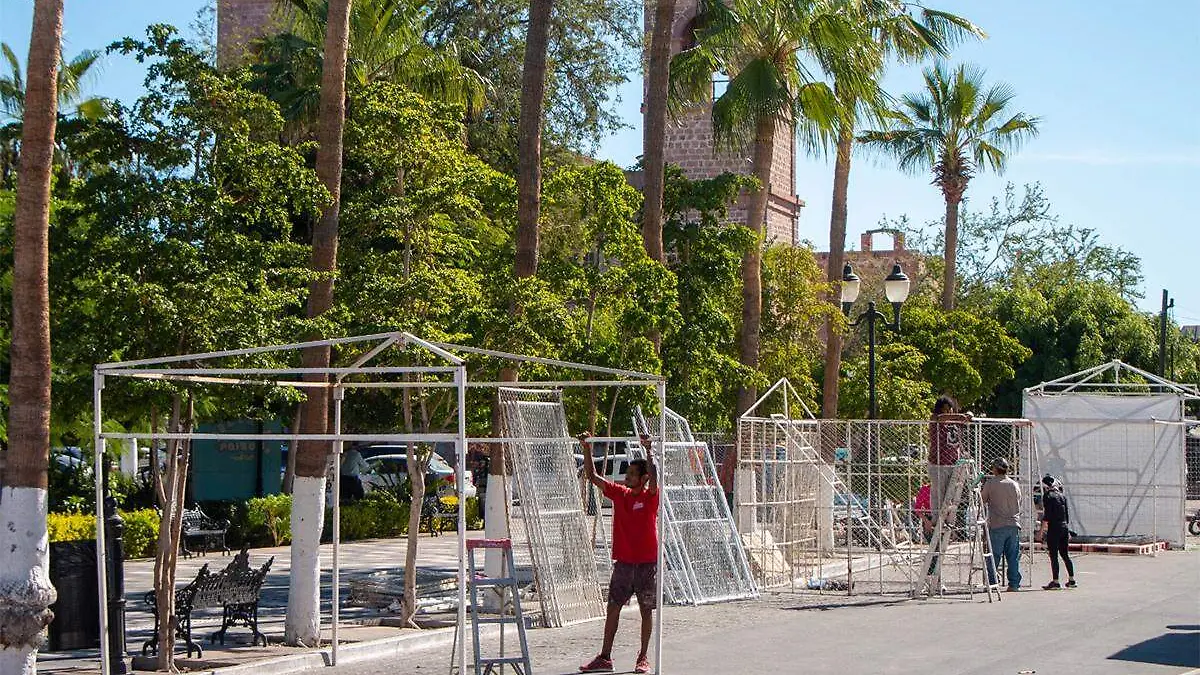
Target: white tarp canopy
column 1119, row 450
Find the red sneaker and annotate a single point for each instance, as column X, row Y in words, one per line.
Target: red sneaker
column 643, row 665
column 597, row 665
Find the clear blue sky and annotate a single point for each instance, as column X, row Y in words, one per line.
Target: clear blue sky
column 1114, row 84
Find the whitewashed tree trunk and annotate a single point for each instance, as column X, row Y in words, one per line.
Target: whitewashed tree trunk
column 303, row 624
column 25, row 590
column 495, row 526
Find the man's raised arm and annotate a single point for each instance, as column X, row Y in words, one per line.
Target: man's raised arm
column 589, row 465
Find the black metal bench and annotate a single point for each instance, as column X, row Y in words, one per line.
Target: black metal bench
column 436, row 516
column 235, row 589
column 199, row 528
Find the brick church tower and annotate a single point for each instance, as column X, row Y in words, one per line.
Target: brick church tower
column 689, row 143
column 239, row 22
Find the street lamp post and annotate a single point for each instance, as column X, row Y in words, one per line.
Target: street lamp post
column 895, row 287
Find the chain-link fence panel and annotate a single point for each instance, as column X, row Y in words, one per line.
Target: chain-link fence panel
column 705, row 558
column 541, row 458
column 850, row 505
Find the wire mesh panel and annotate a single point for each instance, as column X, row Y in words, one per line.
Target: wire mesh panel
column 542, row 462
column 705, row 558
column 846, row 505
column 778, row 488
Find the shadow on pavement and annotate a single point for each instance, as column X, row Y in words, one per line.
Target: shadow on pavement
column 1180, row 649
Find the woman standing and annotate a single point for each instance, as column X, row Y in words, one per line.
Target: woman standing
column 1055, row 531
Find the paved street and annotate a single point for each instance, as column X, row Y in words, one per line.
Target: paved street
column 1131, row 615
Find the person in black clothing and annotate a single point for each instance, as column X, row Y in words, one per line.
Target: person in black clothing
column 1055, row 532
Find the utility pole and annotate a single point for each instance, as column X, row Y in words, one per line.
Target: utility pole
column 1167, row 303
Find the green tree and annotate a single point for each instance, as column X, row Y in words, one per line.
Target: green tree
column 955, row 128
column 73, row 104
column 387, row 44
column 793, row 314
column 762, row 47
column 593, row 46
column 700, row 353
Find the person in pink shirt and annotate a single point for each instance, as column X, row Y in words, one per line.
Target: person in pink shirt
column 634, row 550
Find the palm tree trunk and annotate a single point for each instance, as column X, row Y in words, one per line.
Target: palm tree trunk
column 25, row 590
column 529, row 138
column 654, row 134
column 302, row 626
column 833, row 271
column 952, row 203
column 764, row 150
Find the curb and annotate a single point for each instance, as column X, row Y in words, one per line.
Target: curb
column 349, row 653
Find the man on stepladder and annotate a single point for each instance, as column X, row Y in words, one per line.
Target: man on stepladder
column 634, row 550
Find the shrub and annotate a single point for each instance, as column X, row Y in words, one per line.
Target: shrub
column 139, row 539
column 474, row 517
column 141, row 533
column 274, row 514
column 71, row 526
column 378, row 515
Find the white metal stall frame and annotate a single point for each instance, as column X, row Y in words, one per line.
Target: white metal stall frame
column 168, row 368
column 1115, row 434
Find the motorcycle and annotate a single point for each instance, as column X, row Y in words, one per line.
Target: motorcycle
column 1194, row 523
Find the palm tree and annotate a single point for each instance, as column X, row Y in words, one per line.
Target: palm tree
column 25, row 588
column 904, row 31
column 71, row 80
column 387, row 43
column 658, row 70
column 954, row 128
column 763, row 46
column 529, row 138
column 302, row 625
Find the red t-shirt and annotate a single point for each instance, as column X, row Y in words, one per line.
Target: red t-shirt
column 946, row 438
column 635, row 524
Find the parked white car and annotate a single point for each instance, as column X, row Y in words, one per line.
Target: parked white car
column 389, row 471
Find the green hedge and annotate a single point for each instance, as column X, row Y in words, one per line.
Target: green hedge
column 141, row 530
column 271, row 516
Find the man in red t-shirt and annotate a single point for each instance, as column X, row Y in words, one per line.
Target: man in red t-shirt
column 634, row 550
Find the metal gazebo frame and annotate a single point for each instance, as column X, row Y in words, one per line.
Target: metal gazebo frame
column 164, row 368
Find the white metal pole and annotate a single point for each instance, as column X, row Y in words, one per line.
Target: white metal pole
column 460, row 380
column 662, row 437
column 101, row 562
column 787, row 480
column 338, row 395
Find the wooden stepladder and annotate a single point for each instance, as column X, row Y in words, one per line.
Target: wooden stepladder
column 506, row 584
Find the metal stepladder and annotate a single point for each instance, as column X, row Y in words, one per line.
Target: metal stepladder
column 981, row 543
column 508, row 583
column 939, row 546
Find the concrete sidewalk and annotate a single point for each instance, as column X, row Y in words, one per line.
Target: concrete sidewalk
column 435, row 555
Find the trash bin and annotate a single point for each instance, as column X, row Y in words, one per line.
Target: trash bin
column 76, row 622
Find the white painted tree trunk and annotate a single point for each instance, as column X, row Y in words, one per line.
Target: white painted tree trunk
column 129, row 459
column 303, row 623
column 25, row 590
column 495, row 526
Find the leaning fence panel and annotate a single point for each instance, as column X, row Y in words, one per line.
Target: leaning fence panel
column 550, row 509
column 705, row 558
